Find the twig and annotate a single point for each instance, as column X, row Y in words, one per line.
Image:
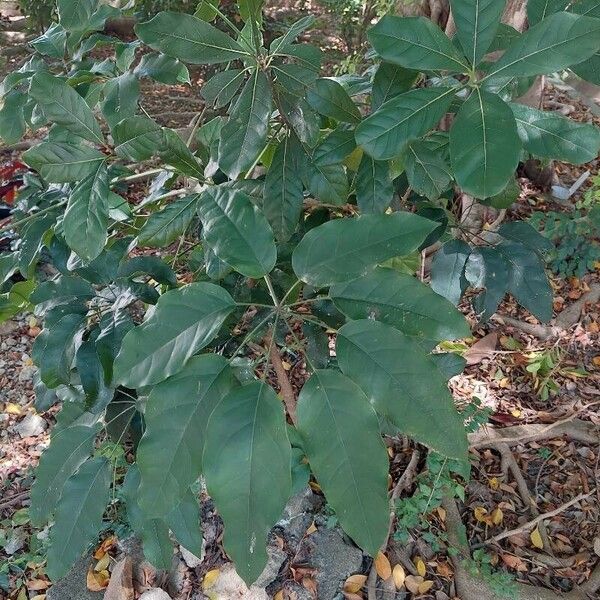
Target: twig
column 531, row 524
column 14, row 500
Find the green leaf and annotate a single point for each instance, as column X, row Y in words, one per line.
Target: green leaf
column 295, row 79
column 527, row 280
column 374, row 189
column 506, row 198
column 410, row 392
column 170, row 452
column 163, row 68
column 283, row 194
column 12, row 120
column 524, row 233
column 327, row 183
column 51, row 42
column 250, row 494
column 79, row 515
column 476, row 25
column 345, row 249
column 283, row 42
column 237, row 231
column 184, row 522
column 63, row 163
column 189, row 39
column 154, row 533
column 184, row 321
column 206, row 10
column 251, row 10
column 559, row 41
column 164, row 227
column 329, row 98
column 121, row 95
column 335, row 147
column 484, row 145
column 67, row 451
column 549, row 135
column 391, row 81
column 75, row 15
column 427, row 172
column 113, row 328
column 244, row 136
column 137, row 138
column 65, row 107
column 402, row 301
column 447, row 270
column 340, row 435
column 85, row 222
column 220, row 89
column 538, row 10
column 486, row 268
column 401, row 119
column 54, row 349
column 176, row 154
column 415, row 43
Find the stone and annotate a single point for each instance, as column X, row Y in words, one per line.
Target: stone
column 274, row 563
column 155, row 594
column 230, row 586
column 191, row 560
column 8, row 327
column 31, row 426
column 120, row 586
column 27, row 373
column 334, row 558
column 73, row 586
column 298, row 514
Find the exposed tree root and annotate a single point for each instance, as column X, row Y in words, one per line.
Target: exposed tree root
column 287, row 391
column 567, row 318
column 578, row 430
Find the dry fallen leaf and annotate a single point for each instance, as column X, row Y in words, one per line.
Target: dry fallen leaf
column 12, row 409
column 311, row 529
column 103, row 563
column 354, row 583
column 399, row 576
column 97, row 580
column 597, row 546
column 421, row 568
column 36, row 585
column 39, row 597
column 536, row 539
column 412, row 583
column 104, row 547
column 382, row 566
column 514, row 562
column 210, row 579
column 351, row 596
column 441, row 513
column 278, row 595
column 497, row 516
column 482, row 349
column 445, row 570
column 480, row 514
column 22, row 594
column 494, row 483
column 424, row 587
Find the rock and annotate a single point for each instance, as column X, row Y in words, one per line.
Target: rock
column 73, row 586
column 230, row 586
column 334, row 558
column 191, row 560
column 276, row 559
column 31, row 426
column 8, row 327
column 120, row 586
column 27, row 373
column 298, row 515
column 155, row 594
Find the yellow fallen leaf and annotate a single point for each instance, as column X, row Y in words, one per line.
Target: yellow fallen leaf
column 536, row 539
column 12, row 409
column 399, row 576
column 210, row 579
column 311, row 529
column 421, row 568
column 104, row 547
column 97, row 581
column 22, row 594
column 355, row 583
column 424, row 587
column 441, row 513
column 286, row 365
column 278, row 595
column 383, row 566
column 32, row 322
column 103, row 563
column 596, row 361
column 39, row 597
column 494, row 483
column 412, row 583
column 516, row 413
column 351, row 596
column 480, row 513
column 497, row 516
